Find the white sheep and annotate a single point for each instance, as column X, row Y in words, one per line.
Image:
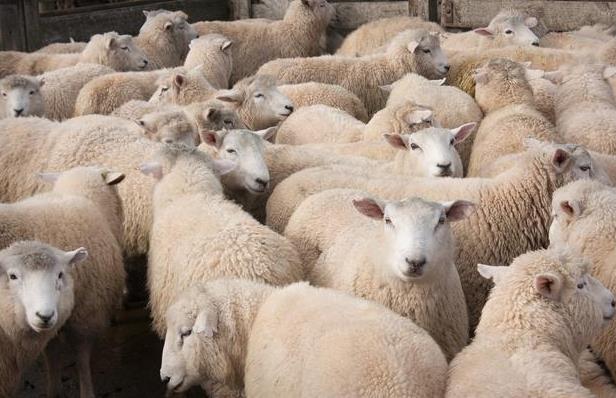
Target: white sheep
column 182, row 88
column 410, row 51
column 197, row 229
column 404, row 261
column 37, row 298
column 170, row 127
column 20, row 96
column 231, row 335
column 542, row 312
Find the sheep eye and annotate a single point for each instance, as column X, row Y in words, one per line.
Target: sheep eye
column 230, row 150
column 584, row 168
column 441, row 220
column 414, row 146
column 186, row 333
column 229, row 122
column 60, row 275
column 508, row 31
column 453, row 141
column 13, row 277
column 32, row 92
column 163, row 89
column 259, row 96
column 387, row 220
column 4, row 94
column 581, row 285
column 125, row 48
column 426, row 51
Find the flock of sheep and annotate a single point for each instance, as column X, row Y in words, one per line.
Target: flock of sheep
column 307, row 226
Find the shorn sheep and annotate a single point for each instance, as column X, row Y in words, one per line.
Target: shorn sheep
column 411, row 51
column 232, row 336
column 404, row 260
column 218, row 239
column 37, row 298
column 297, row 35
column 542, row 313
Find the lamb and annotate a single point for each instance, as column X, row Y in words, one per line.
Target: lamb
column 307, row 94
column 542, row 312
column 34, row 305
column 404, row 261
column 374, row 36
column 505, row 96
column 512, row 215
column 252, row 328
column 216, row 238
column 586, row 109
column 83, row 206
column 583, row 221
column 118, row 52
column 297, row 35
column 213, row 54
column 20, row 96
column 411, row 51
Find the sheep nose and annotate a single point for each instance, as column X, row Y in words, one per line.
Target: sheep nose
column 165, row 380
column 168, row 141
column 444, row 167
column 261, row 182
column 45, row 317
column 416, row 264
column 18, row 111
column 145, row 61
column 289, row 108
column 446, row 67
column 535, row 43
column 613, row 303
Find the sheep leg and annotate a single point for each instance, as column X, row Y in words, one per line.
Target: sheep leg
column 53, row 362
column 84, row 354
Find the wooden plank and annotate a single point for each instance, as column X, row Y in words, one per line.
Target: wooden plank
column 12, row 32
column 240, row 9
column 557, row 15
column 352, row 15
column 32, row 24
column 126, row 20
column 419, row 8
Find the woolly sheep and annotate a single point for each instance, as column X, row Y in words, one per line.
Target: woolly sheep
column 410, row 51
column 404, row 261
column 213, row 54
column 118, row 52
column 580, row 39
column 218, row 239
column 20, row 96
column 170, row 127
column 34, row 305
column 544, row 92
column 252, row 328
column 505, row 204
column 542, row 312
column 373, row 36
column 583, row 220
column 84, row 207
column 63, row 48
column 182, row 88
column 505, row 96
column 307, row 94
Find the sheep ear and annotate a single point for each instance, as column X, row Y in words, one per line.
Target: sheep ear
column 496, row 273
column 211, row 114
column 609, row 72
column 555, row 77
column 549, row 285
column 397, row 141
column 236, row 96
column 168, row 25
column 463, row 132
column 49, row 177
column 223, row 166
column 412, row 46
column 418, row 116
column 439, row 82
column 152, row 169
column 458, row 210
column 387, row 88
column 110, row 42
column 113, row 177
column 41, row 81
column 211, row 138
column 571, row 208
column 179, row 80
column 76, row 256
column 531, row 22
column 268, row 133
column 560, row 159
column 226, row 45
column 484, row 32
column 370, row 208
column 206, row 323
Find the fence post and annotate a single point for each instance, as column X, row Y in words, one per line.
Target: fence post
column 12, row 30
column 32, row 24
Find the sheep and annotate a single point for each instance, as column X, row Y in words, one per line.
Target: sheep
column 118, row 52
column 34, row 304
column 297, row 35
column 213, row 54
column 306, row 94
column 404, row 261
column 583, row 220
column 181, row 88
column 410, row 51
column 373, row 37
column 20, row 96
column 170, row 127
column 586, row 109
column 83, row 208
column 544, row 92
column 579, row 39
column 451, row 106
column 323, row 124
column 508, row 27
column 237, row 333
column 63, row 48
column 512, row 215
column 506, row 98
column 542, row 312
column 217, row 238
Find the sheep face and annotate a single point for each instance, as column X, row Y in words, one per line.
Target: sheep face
column 119, row 52
column 37, row 278
column 511, row 28
column 182, row 88
column 432, row 151
column 417, row 239
column 20, row 96
column 216, row 119
column 172, row 127
column 170, row 27
column 245, row 149
column 322, row 10
column 422, row 52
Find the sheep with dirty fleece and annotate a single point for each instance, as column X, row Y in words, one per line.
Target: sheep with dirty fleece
column 506, row 98
column 37, row 298
column 404, row 260
column 584, row 220
column 411, row 51
column 197, row 229
column 542, row 313
column 83, row 206
column 250, row 329
column 515, row 206
column 257, row 42
column 20, row 96
column 119, row 52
